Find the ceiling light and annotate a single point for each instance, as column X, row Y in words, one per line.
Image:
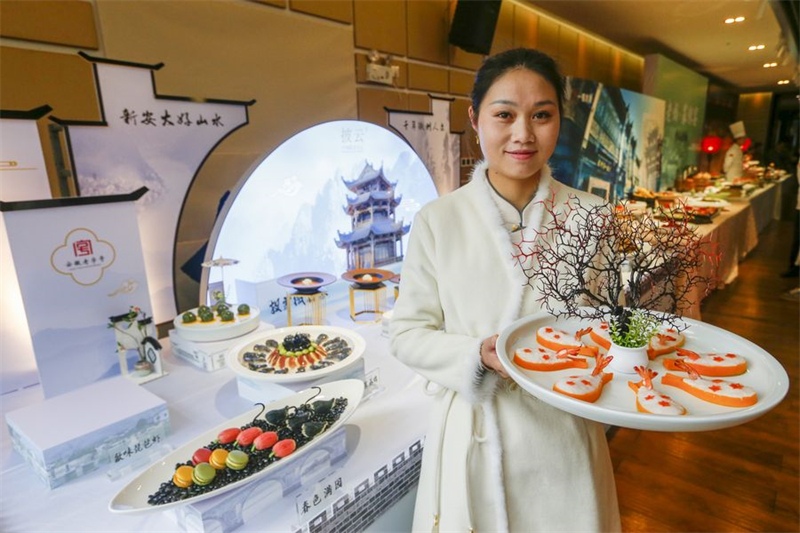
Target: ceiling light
column 783, row 82
column 770, row 65
column 731, row 20
column 756, row 47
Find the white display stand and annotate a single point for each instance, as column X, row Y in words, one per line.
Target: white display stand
column 77, row 262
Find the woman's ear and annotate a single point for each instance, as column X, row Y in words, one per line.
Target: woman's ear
column 473, row 119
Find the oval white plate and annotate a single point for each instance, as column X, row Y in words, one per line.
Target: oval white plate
column 617, row 405
column 133, row 497
column 217, row 330
column 354, row 340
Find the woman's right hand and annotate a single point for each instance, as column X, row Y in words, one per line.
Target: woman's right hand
column 489, row 358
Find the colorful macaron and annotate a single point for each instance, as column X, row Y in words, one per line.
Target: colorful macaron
column 203, row 474
column 218, row 458
column 237, row 460
column 183, row 476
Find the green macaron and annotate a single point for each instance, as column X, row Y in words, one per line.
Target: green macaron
column 203, row 474
column 237, row 460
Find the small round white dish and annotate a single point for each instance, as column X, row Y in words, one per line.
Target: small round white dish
column 355, row 342
column 133, row 497
column 217, row 330
column 617, row 404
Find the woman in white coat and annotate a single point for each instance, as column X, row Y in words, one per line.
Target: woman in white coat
column 496, row 458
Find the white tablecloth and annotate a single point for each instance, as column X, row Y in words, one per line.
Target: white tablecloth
column 198, row 401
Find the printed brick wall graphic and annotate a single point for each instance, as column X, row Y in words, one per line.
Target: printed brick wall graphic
column 372, row 497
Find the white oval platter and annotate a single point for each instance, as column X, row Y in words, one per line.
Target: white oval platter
column 217, row 330
column 617, row 406
column 133, row 497
column 354, row 341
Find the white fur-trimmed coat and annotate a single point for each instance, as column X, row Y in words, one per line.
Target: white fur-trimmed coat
column 496, row 459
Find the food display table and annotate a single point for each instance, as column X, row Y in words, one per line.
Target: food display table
column 765, row 203
column 384, row 439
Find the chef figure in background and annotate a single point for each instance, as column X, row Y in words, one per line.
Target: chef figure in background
column 734, row 157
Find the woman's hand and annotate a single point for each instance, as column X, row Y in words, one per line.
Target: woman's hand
column 489, row 357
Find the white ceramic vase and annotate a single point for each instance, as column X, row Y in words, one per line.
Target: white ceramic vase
column 625, row 359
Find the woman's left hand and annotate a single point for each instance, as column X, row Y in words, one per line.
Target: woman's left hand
column 489, row 357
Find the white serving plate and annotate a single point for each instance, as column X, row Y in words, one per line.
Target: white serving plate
column 617, row 405
column 133, row 497
column 354, row 340
column 217, row 330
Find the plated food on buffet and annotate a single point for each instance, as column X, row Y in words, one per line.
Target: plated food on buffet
column 296, row 353
column 696, row 379
column 218, row 322
column 242, row 449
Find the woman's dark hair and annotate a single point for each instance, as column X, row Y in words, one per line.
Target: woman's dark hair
column 497, row 65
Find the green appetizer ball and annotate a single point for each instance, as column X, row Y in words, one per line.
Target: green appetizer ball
column 243, row 309
column 226, row 316
column 189, row 317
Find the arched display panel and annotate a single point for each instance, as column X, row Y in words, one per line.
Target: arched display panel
column 335, row 197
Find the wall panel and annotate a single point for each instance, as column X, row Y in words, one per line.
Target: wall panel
column 372, row 104
column 381, row 26
column 338, row 10
column 427, row 78
column 526, row 28
column 428, row 28
column 64, row 22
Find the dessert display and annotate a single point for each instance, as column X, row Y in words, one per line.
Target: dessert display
column 709, row 364
column 699, row 378
column 216, row 323
column 234, row 455
column 586, row 387
column 545, row 360
column 296, row 353
column 719, row 391
column 665, row 343
column 649, row 400
column 242, row 449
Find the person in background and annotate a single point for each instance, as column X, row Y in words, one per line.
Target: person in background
column 733, row 166
column 794, row 253
column 496, row 458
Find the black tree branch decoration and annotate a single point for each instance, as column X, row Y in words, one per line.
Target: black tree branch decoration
column 599, row 261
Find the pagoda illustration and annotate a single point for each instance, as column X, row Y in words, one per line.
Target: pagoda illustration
column 376, row 237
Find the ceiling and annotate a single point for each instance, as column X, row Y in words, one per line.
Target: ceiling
column 693, row 34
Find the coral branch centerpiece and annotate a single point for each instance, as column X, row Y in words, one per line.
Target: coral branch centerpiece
column 598, row 261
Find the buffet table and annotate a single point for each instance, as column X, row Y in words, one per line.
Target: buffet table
column 384, row 439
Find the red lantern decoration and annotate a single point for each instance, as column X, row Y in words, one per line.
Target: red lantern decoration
column 746, row 144
column 711, row 144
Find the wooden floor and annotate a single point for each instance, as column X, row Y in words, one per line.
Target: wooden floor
column 737, row 479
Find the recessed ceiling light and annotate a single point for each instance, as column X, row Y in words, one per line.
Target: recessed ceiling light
column 783, row 82
column 731, row 20
column 756, row 47
column 770, row 65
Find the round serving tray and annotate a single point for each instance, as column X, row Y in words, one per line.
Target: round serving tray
column 235, row 355
column 617, row 404
column 306, row 282
column 368, row 277
column 133, row 497
column 217, row 330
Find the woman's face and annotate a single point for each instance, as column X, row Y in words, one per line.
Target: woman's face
column 517, row 125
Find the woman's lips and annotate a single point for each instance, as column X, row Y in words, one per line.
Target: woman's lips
column 522, row 154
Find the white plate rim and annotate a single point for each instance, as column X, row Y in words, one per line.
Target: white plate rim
column 162, row 470
column 629, row 417
column 356, row 340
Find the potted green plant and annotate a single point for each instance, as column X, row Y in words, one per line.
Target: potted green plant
column 630, row 333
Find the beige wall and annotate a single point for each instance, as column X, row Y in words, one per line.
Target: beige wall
column 303, row 61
